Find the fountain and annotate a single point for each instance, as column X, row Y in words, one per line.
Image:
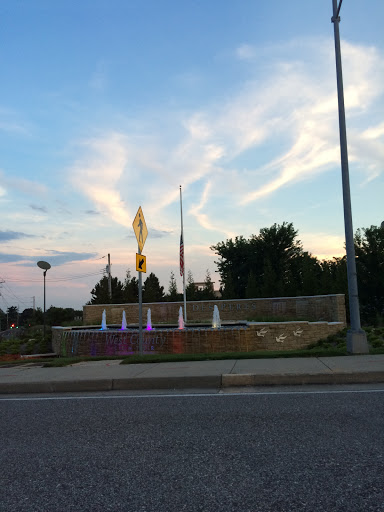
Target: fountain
column 104, row 321
column 181, row 318
column 123, row 322
column 216, row 322
column 149, row 324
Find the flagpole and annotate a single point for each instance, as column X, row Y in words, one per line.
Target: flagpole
column 182, row 237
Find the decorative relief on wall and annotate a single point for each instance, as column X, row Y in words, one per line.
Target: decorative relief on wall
column 280, row 338
column 262, row 332
column 298, row 332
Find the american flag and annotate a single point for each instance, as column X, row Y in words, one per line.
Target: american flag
column 181, row 255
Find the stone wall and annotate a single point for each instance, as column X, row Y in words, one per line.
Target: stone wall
column 250, row 337
column 328, row 308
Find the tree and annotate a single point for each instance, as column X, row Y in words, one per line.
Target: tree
column 100, row 293
column 369, row 248
column 227, row 288
column 190, row 289
column 12, row 316
column 234, row 264
column 152, row 291
column 207, row 293
column 3, row 320
column 173, row 295
column 130, row 289
column 58, row 316
column 252, row 288
column 271, row 257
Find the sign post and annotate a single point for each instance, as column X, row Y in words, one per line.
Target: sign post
column 141, row 232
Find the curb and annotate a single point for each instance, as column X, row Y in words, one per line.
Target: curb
column 229, row 380
column 192, row 382
column 121, row 384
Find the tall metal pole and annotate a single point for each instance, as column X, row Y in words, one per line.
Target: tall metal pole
column 109, row 278
column 356, row 337
column 140, row 311
column 182, row 235
column 44, row 273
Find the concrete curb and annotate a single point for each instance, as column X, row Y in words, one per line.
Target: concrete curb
column 232, row 380
column 66, row 386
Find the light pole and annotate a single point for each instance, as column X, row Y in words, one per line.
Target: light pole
column 356, row 338
column 45, row 266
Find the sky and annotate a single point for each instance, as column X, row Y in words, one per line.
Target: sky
column 106, row 106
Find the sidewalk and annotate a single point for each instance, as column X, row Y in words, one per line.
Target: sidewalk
column 110, row 375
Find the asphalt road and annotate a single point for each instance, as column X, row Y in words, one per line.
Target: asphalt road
column 273, row 451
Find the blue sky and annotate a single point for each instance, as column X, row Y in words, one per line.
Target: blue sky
column 106, row 106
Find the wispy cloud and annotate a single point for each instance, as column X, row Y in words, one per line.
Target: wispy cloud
column 38, row 208
column 6, row 236
column 23, row 185
column 98, row 172
column 273, row 131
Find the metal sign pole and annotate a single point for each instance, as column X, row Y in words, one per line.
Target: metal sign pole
column 140, row 312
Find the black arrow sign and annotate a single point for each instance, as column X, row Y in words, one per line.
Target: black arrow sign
column 141, row 264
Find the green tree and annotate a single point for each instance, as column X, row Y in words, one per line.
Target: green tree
column 233, row 265
column 207, row 293
column 59, row 316
column 369, row 248
column 271, row 256
column 227, row 288
column 152, row 291
column 190, row 289
column 252, row 289
column 12, row 316
column 130, row 289
column 30, row 317
column 100, row 293
column 3, row 320
column 172, row 295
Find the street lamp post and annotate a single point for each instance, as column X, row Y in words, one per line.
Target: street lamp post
column 45, row 266
column 356, row 338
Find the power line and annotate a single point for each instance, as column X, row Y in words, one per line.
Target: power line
column 57, row 279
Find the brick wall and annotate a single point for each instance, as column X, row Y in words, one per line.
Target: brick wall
column 329, row 308
column 254, row 336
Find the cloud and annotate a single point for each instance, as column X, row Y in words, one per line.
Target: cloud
column 245, row 52
column 6, row 236
column 12, row 124
column 38, row 208
column 97, row 175
column 92, row 212
column 55, row 258
column 23, row 185
column 274, row 130
column 11, row 258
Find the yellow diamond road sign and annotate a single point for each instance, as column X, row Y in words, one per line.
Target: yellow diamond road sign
column 140, row 228
column 141, row 263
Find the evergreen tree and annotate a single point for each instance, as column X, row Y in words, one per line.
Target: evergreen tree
column 207, row 293
column 100, row 293
column 130, row 289
column 152, row 291
column 190, row 289
column 173, row 295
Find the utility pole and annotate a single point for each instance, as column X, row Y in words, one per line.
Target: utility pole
column 356, row 338
column 34, row 303
column 109, row 278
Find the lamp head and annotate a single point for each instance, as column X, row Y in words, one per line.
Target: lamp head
column 44, row 265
